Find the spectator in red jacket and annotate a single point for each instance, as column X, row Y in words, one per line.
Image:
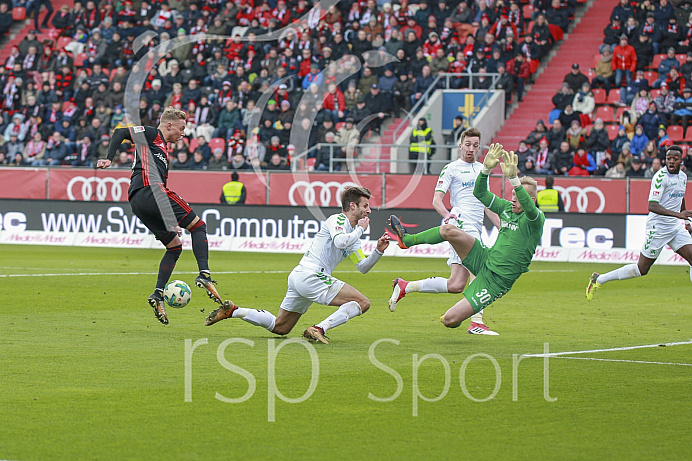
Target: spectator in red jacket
column 334, row 103
column 520, row 69
column 624, row 61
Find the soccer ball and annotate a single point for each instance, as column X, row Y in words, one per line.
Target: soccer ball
column 177, row 293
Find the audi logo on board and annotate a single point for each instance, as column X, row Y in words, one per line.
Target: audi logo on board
column 308, row 192
column 106, row 188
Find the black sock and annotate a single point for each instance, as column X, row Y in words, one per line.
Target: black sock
column 200, row 245
column 167, row 265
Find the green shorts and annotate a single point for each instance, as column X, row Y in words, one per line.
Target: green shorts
column 487, row 286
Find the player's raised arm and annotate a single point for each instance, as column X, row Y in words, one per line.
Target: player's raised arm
column 481, row 190
column 119, row 135
column 509, row 170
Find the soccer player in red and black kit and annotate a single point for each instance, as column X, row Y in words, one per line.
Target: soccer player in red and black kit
column 160, row 209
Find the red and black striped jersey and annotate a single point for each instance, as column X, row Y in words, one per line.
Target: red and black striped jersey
column 151, row 155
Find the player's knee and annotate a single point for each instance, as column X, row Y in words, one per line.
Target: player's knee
column 449, row 322
column 175, row 251
column 447, row 229
column 643, row 270
column 199, row 226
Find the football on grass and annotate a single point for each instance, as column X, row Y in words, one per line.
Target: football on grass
column 177, row 293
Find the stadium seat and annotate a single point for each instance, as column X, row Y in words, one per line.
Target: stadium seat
column 596, row 59
column 682, row 58
column 464, row 30
column 599, row 96
column 675, row 133
column 655, row 92
column 339, row 125
column 688, row 136
column 619, row 112
column 613, row 96
column 79, row 59
column 605, row 113
column 18, row 13
column 194, row 142
column 63, row 42
column 527, row 11
column 650, row 76
column 311, row 164
column 217, row 143
column 612, row 131
column 657, row 60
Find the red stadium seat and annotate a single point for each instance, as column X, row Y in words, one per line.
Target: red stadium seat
column 311, row 164
column 682, row 58
column 606, row 114
column 596, row 59
column 19, row 13
column 619, row 112
column 79, row 59
column 675, row 133
column 657, row 60
column 688, row 136
column 655, row 92
column 599, row 96
column 612, row 131
column 339, row 125
column 613, row 96
column 194, row 142
column 63, row 42
column 650, row 76
column 528, row 11
column 217, row 143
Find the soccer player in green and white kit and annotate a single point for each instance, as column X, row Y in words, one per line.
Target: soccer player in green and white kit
column 496, row 268
column 666, row 209
column 311, row 281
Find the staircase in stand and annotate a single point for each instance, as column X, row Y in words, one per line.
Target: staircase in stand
column 578, row 47
column 375, row 152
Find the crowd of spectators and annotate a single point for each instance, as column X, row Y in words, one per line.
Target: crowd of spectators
column 651, row 99
column 63, row 93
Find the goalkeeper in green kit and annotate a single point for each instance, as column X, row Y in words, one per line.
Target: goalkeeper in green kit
column 496, row 268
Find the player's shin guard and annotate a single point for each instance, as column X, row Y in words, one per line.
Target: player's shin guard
column 256, row 317
column 343, row 314
column 167, row 265
column 629, row 271
column 200, row 245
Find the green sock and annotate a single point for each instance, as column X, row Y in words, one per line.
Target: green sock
column 430, row 236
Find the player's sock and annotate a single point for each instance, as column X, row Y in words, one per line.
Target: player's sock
column 477, row 318
column 200, row 245
column 257, row 317
column 429, row 285
column 629, row 271
column 343, row 314
column 690, row 273
column 167, row 265
column 430, row 236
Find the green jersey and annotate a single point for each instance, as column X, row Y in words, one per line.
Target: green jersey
column 519, row 233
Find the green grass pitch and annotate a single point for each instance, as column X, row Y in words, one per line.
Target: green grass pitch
column 88, row 373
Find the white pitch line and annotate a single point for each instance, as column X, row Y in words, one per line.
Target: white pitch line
column 627, row 361
column 593, row 351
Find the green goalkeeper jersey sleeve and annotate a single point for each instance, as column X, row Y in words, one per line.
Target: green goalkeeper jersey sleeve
column 519, row 234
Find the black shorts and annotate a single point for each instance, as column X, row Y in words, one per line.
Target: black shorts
column 144, row 206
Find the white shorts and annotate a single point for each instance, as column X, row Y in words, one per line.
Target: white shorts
column 306, row 287
column 655, row 240
column 453, row 256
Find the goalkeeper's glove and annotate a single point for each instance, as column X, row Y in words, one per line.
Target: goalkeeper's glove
column 492, row 157
column 509, row 165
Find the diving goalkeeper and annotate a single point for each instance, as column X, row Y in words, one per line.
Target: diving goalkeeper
column 496, row 268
